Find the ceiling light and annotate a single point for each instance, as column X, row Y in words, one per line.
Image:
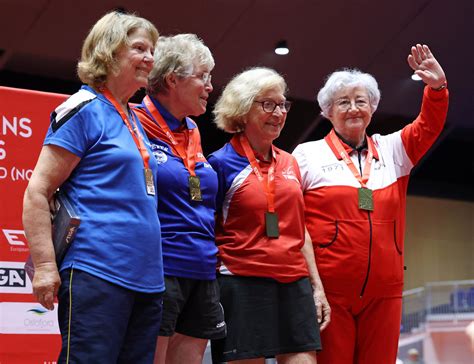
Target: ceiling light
column 281, row 48
column 415, row 77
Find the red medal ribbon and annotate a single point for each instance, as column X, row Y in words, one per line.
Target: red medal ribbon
column 137, row 138
column 341, row 152
column 269, row 184
column 188, row 153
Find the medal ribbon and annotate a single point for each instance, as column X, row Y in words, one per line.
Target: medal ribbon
column 347, row 159
column 137, row 138
column 188, row 154
column 269, row 185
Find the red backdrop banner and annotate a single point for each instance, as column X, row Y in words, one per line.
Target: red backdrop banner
column 28, row 332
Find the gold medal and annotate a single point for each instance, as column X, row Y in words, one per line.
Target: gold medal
column 149, row 184
column 195, row 188
column 271, row 224
column 366, row 201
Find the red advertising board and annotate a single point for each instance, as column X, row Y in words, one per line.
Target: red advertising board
column 28, row 332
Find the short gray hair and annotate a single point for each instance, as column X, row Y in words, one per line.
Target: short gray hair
column 179, row 54
column 239, row 94
column 347, row 77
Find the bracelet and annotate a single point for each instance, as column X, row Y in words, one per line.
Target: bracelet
column 442, row 87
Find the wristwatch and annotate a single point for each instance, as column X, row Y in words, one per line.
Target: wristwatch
column 442, row 87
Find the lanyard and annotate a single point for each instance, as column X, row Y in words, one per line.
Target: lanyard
column 137, row 138
column 188, row 154
column 269, row 185
column 345, row 157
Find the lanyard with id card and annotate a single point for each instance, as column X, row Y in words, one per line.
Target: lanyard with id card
column 364, row 195
column 138, row 139
column 271, row 217
column 186, row 153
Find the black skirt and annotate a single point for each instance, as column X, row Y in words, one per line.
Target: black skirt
column 266, row 318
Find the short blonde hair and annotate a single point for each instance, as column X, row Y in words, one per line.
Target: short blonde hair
column 239, row 94
column 108, row 35
column 179, row 53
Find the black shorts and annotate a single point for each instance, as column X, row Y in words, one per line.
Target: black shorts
column 266, row 318
column 191, row 307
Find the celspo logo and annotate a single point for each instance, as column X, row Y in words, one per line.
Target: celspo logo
column 27, row 318
column 39, row 319
column 13, row 278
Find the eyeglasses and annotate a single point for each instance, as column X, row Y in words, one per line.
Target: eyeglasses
column 346, row 104
column 205, row 77
column 270, row 106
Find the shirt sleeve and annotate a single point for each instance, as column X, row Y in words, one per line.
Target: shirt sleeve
column 72, row 136
column 221, row 190
column 301, row 166
column 420, row 135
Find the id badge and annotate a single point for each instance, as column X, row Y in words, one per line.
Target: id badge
column 195, row 188
column 271, row 224
column 149, row 184
column 366, row 201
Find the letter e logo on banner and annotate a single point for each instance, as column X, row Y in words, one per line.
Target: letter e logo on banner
column 15, row 237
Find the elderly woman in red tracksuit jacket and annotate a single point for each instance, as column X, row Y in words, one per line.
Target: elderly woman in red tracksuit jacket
column 355, row 196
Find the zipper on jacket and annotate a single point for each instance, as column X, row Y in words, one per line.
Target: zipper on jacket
column 370, row 256
column 359, row 157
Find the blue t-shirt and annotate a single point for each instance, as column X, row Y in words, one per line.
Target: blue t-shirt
column 119, row 236
column 187, row 227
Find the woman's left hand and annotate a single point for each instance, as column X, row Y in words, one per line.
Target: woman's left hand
column 425, row 65
column 322, row 308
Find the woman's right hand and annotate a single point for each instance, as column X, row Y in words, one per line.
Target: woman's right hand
column 46, row 283
column 323, row 309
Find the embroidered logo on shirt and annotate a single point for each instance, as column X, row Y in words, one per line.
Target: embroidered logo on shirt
column 289, row 173
column 160, row 156
column 378, row 165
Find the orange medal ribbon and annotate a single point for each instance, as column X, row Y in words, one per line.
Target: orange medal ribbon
column 138, row 139
column 365, row 194
column 186, row 153
column 271, row 217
